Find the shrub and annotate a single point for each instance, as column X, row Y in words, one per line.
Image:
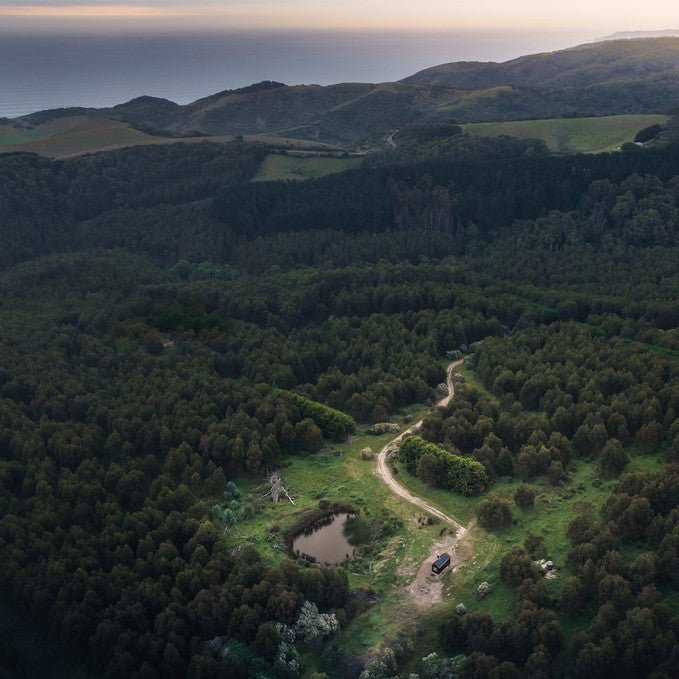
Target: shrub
column 572, row 597
column 431, row 469
column 555, row 472
column 533, row 543
column 367, row 454
column 648, row 133
column 613, row 458
column 516, row 566
column 483, row 590
column 493, row 513
column 524, row 497
column 383, row 428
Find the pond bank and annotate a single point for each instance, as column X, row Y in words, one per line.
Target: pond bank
column 326, row 548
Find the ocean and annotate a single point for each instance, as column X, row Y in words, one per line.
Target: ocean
column 43, row 71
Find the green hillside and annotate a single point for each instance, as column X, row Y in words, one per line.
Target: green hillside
column 620, row 77
column 587, row 135
column 77, row 135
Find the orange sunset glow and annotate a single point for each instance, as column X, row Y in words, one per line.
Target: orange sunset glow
column 366, row 14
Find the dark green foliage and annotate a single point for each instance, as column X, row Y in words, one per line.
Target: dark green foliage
column 517, row 566
column 613, row 458
column 470, row 201
column 431, row 469
column 135, row 382
column 533, row 544
column 524, row 497
column 493, row 513
column 622, row 594
column 333, row 423
column 424, row 143
column 572, row 596
column 497, row 649
column 459, row 474
column 134, row 198
column 648, row 133
column 360, row 529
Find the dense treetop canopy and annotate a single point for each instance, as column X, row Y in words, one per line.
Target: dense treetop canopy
column 169, row 328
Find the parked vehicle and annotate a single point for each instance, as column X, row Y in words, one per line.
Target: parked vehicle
column 442, row 562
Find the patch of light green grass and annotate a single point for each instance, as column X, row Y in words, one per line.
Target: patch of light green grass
column 586, row 135
column 276, row 166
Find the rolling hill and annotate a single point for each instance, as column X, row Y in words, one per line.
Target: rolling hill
column 607, row 78
column 616, row 61
column 620, row 77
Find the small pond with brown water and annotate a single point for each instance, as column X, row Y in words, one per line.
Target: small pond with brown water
column 325, row 541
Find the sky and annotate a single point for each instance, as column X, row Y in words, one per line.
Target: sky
column 596, row 16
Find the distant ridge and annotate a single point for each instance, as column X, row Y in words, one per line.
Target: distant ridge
column 639, row 35
column 600, row 63
column 613, row 77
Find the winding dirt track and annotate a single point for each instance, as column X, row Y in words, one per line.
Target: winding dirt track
column 384, row 473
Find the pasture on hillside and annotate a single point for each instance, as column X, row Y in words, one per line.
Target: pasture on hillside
column 568, row 135
column 77, row 135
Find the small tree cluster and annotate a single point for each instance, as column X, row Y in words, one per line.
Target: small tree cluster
column 454, row 472
column 516, row 566
column 524, row 497
column 334, row 424
column 493, row 513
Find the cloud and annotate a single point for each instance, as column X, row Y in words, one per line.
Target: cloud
column 599, row 16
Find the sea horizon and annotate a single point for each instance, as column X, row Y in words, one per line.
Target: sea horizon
column 40, row 71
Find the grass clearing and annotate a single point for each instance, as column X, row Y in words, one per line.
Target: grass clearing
column 567, row 135
column 77, row 135
column 277, row 166
column 339, row 474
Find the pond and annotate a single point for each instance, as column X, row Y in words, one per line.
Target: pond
column 325, row 542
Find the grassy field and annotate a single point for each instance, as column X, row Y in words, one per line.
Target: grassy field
column 78, row 135
column 276, row 166
column 587, row 135
column 339, row 474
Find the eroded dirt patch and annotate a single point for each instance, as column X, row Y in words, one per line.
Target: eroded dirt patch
column 427, row 589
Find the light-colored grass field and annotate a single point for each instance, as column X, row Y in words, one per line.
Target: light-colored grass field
column 23, row 132
column 276, row 166
column 587, row 135
column 78, row 135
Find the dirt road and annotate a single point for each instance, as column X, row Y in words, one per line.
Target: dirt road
column 426, row 589
column 382, row 470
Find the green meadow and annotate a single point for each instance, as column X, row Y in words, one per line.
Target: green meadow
column 77, row 135
column 568, row 135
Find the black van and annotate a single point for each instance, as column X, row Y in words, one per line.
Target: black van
column 442, row 562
